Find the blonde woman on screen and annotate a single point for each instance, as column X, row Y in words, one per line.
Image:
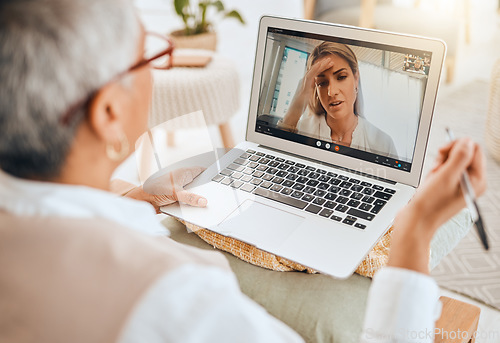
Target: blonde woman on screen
column 327, row 103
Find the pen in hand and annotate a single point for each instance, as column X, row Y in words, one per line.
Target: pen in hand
column 470, row 200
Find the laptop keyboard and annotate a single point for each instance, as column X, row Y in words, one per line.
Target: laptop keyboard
column 326, row 194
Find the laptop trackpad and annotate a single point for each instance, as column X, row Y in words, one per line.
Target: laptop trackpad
column 261, row 225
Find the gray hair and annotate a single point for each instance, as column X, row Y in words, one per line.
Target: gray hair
column 53, row 54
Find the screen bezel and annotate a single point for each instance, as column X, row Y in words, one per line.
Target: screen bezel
column 435, row 46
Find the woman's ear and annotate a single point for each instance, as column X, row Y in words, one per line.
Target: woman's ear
column 105, row 112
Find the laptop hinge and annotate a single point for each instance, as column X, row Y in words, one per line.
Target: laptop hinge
column 331, row 165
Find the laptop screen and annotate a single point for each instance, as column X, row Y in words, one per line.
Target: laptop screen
column 355, row 98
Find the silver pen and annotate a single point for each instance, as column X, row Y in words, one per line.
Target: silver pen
column 470, row 200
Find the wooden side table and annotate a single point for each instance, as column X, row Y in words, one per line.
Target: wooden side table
column 458, row 322
column 213, row 89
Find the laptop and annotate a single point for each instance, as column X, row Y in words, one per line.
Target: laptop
column 300, row 191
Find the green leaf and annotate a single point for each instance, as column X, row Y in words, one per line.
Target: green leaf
column 180, row 5
column 236, row 15
column 219, row 5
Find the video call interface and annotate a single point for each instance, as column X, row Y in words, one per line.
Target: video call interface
column 370, row 114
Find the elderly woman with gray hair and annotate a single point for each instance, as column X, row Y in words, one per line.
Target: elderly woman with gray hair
column 80, row 264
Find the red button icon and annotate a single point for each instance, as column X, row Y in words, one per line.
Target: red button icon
column 337, row 148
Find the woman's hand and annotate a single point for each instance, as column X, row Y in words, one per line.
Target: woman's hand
column 437, row 200
column 304, row 92
column 169, row 188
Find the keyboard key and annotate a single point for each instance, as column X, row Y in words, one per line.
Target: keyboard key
column 377, row 187
column 226, row 172
column 330, row 196
column 320, row 192
column 342, row 200
column 236, row 175
column 246, row 178
column 258, row 173
column 355, row 181
column 309, row 189
column 248, row 171
column 348, row 221
column 297, row 194
column 376, row 209
column 324, row 178
column 308, row 198
column 241, row 161
column 302, row 179
column 271, row 157
column 321, row 171
column 248, row 188
column 254, row 158
column 290, row 162
column 237, row 184
column 319, row 201
column 335, row 181
column 273, row 164
column 380, row 202
column 277, row 179
column 353, row 203
column 253, row 165
column 368, row 199
column 346, row 185
column 343, row 177
column 272, row 170
column 366, row 184
column 360, row 226
column 341, row 208
column 227, row 181
column 279, row 159
column 312, row 183
column 281, row 173
column 330, row 204
column 287, row 183
column 293, row 169
column 300, row 165
column 336, row 218
column 286, row 191
column 345, row 192
column 365, row 207
column 356, row 188
column 266, row 184
column 334, row 189
column 262, row 168
column 250, row 151
column 283, row 166
column 218, row 178
column 310, row 168
column 382, row 195
column 368, row 191
column 303, row 172
column 330, row 174
column 291, row 176
column 267, row 177
column 256, row 181
column 260, row 154
column 323, row 186
column 390, row 191
column 360, row 214
column 357, row 196
column 326, row 213
column 313, row 208
column 298, row 186
column 276, row 188
column 314, row 175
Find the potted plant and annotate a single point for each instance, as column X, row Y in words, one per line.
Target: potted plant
column 198, row 17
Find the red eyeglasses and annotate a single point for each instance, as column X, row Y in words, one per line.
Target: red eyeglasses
column 158, row 51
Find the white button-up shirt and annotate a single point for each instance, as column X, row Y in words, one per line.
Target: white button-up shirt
column 401, row 303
